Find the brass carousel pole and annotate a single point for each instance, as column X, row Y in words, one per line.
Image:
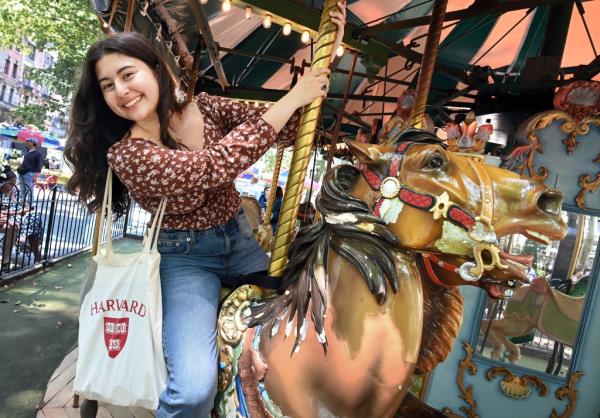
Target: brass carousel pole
column 274, row 183
column 302, row 148
column 428, row 64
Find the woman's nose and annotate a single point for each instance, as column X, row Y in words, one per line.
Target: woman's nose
column 121, row 88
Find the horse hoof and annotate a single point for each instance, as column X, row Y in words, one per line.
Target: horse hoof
column 88, row 409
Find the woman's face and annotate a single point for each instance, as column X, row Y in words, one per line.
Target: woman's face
column 129, row 86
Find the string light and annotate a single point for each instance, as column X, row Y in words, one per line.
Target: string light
column 305, row 37
column 287, row 29
column 226, row 6
column 203, row 1
column 249, row 12
column 340, row 51
column 267, row 22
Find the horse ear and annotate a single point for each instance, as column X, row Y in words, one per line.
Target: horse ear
column 369, row 153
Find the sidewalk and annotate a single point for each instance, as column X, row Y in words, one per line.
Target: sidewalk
column 38, row 328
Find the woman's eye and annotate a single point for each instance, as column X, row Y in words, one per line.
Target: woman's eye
column 436, row 162
column 127, row 76
column 107, row 87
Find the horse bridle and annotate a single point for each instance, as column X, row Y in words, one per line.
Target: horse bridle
column 390, row 187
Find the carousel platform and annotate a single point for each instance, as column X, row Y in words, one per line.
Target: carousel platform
column 59, row 399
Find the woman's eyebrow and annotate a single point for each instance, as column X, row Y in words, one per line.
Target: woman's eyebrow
column 118, row 72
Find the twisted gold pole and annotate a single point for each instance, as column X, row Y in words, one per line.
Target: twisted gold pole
column 302, row 148
column 428, row 64
column 274, row 183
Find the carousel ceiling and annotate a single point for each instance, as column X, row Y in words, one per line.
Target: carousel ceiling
column 494, row 56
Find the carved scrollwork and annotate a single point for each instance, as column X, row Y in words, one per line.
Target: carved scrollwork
column 231, row 326
column 516, row 387
column 587, row 186
column 466, row 393
column 511, row 382
column 570, row 393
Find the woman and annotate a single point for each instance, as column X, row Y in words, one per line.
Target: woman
column 125, row 116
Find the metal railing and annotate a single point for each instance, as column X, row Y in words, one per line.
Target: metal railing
column 46, row 225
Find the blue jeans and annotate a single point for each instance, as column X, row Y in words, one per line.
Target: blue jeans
column 26, row 187
column 194, row 265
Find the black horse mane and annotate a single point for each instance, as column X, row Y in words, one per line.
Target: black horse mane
column 350, row 229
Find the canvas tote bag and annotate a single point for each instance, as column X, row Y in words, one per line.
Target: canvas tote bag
column 121, row 358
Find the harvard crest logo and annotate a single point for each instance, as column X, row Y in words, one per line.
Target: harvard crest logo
column 115, row 335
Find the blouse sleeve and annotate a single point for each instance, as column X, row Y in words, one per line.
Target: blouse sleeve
column 232, row 112
column 148, row 169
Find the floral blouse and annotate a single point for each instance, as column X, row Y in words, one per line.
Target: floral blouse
column 199, row 184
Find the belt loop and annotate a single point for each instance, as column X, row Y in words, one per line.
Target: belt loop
column 193, row 236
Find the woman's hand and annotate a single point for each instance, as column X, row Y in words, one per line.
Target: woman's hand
column 339, row 18
column 312, row 85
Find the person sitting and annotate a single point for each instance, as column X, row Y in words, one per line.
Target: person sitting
column 19, row 223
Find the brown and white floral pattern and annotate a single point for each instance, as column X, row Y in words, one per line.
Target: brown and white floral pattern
column 199, row 184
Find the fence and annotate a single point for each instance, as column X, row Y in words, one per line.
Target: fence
column 48, row 225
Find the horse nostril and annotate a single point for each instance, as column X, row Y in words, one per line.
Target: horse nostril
column 550, row 202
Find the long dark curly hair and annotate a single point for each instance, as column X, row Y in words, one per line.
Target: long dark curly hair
column 94, row 128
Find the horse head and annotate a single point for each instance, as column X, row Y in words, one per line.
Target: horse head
column 453, row 208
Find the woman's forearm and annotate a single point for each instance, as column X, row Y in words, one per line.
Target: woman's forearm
column 280, row 112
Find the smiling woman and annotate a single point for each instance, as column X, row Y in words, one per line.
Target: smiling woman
column 125, row 116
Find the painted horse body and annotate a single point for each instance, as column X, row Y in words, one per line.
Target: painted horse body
column 535, row 306
column 342, row 337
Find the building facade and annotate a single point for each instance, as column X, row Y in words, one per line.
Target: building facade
column 16, row 89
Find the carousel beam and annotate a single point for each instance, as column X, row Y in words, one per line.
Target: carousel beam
column 272, row 95
column 587, row 72
column 309, row 17
column 477, row 9
column 209, row 41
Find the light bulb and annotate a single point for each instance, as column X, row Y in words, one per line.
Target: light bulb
column 305, row 37
column 105, row 24
column 249, row 12
column 339, row 51
column 203, row 1
column 287, row 29
column 226, row 6
column 267, row 22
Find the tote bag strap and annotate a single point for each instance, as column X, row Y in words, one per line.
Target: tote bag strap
column 151, row 242
column 106, row 214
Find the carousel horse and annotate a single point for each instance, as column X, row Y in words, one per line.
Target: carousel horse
column 343, row 334
column 540, row 306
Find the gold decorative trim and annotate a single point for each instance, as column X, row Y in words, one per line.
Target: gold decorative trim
column 570, row 393
column 587, row 185
column 231, row 326
column 514, row 386
column 466, row 392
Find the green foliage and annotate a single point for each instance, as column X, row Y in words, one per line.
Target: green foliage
column 32, row 114
column 67, row 27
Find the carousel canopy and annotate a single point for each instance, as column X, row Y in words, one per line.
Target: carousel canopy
column 494, row 56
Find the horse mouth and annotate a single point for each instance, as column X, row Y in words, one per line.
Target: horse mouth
column 498, row 280
column 538, row 237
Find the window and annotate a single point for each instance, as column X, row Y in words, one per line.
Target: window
column 15, row 71
column 6, row 65
column 10, row 95
column 31, row 55
column 26, row 99
column 2, row 92
column 48, row 60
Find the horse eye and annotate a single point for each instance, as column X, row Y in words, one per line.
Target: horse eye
column 436, row 162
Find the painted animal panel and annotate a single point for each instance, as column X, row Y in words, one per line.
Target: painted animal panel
column 535, row 306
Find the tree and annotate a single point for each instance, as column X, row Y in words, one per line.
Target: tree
column 31, row 114
column 67, row 27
